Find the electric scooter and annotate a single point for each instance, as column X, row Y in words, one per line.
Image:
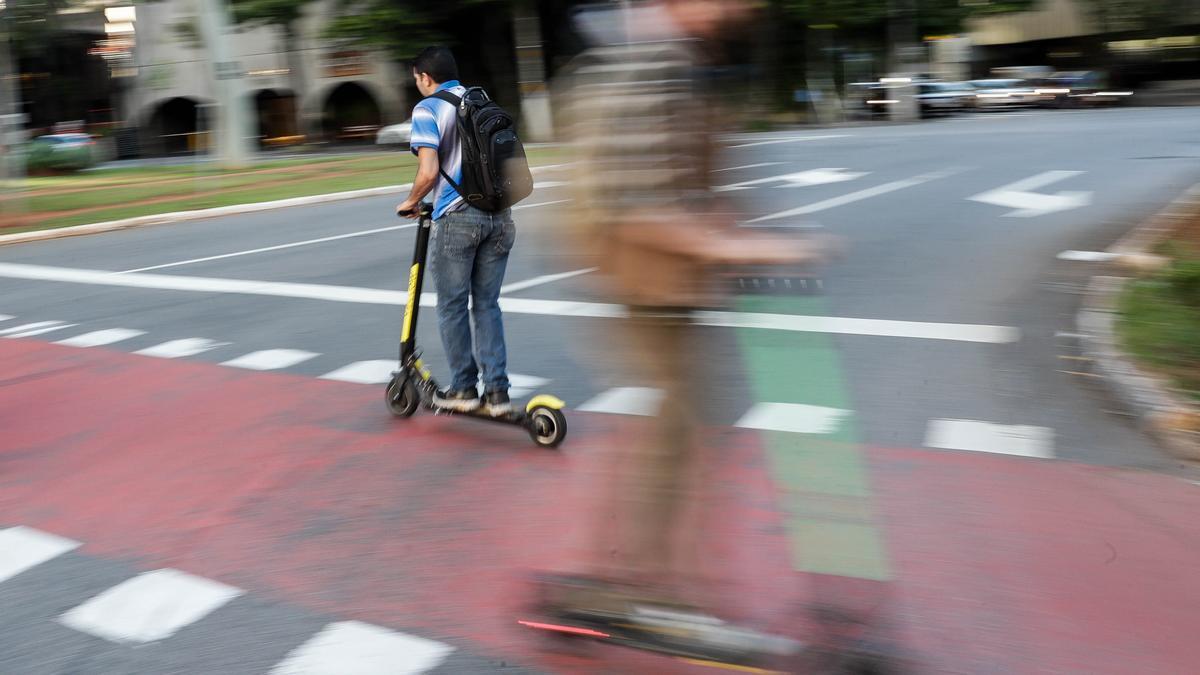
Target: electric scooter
column 413, row 386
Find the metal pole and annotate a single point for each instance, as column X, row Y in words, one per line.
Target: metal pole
column 12, row 122
column 232, row 130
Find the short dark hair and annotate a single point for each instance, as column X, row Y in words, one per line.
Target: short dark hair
column 436, row 62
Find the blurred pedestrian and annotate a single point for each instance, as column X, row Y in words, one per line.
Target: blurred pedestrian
column 642, row 120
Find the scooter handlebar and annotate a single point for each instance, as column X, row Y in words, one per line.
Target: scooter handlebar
column 422, row 210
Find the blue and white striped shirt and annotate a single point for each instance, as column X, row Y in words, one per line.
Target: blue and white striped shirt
column 434, row 126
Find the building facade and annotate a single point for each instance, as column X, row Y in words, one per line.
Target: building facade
column 313, row 90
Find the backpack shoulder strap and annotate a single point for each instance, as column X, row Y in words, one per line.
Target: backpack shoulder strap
column 447, row 97
column 454, row 101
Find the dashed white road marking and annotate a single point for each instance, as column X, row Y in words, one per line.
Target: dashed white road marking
column 1087, row 256
column 365, row 372
column 6, row 317
column 353, row 294
column 544, row 279
column 175, row 349
column 793, row 139
column 858, row 196
column 23, row 548
column 520, row 385
column 356, row 648
column 100, row 338
column 793, row 417
column 151, row 606
column 518, row 207
column 746, row 166
column 974, row 435
column 271, row 359
column 32, row 329
column 625, row 401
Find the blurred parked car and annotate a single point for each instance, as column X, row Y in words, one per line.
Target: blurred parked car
column 1003, row 94
column 396, row 135
column 942, row 98
column 61, row 152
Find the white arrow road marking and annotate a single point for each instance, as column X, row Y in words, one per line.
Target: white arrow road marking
column 798, row 179
column 859, row 195
column 1020, row 196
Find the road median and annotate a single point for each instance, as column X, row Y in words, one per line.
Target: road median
column 1140, row 325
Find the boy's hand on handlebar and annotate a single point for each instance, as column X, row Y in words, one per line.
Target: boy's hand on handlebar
column 407, row 209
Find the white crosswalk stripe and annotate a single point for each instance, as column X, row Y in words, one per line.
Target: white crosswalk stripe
column 99, row 338
column 149, row 607
column 271, row 359
column 32, row 329
column 175, row 349
column 625, row 401
column 793, row 417
column 978, row 436
column 23, row 548
column 356, row 648
column 364, row 372
column 520, row 385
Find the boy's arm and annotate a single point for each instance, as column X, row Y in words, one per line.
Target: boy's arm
column 423, row 182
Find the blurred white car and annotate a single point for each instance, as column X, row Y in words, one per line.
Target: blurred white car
column 1004, row 94
column 397, row 135
column 940, row 98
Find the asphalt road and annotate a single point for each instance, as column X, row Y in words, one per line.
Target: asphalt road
column 920, row 251
column 946, row 324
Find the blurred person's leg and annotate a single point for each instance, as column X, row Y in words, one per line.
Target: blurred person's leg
column 491, row 261
column 454, row 242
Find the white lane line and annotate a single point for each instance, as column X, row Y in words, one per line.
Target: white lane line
column 321, row 240
column 793, row 417
column 625, row 401
column 364, row 372
column 794, row 139
column 547, row 184
column 957, row 332
column 6, row 317
column 858, row 196
column 357, row 648
column 23, row 548
column 265, row 249
column 151, row 606
column 518, row 207
column 32, row 329
column 377, row 296
column 545, row 279
column 1087, row 256
column 978, row 436
column 271, row 359
column 98, row 338
column 175, row 349
column 746, row 166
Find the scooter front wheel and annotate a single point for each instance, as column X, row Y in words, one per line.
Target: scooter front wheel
column 547, row 426
column 402, row 396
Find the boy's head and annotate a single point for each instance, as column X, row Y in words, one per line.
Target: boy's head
column 432, row 67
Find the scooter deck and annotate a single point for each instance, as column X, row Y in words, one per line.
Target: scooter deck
column 674, row 641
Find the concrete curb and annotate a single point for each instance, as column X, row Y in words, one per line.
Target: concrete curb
column 1149, row 398
column 200, row 214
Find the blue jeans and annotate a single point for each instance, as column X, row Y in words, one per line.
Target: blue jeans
column 470, row 253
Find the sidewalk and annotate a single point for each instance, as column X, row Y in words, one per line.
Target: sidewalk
column 307, row 492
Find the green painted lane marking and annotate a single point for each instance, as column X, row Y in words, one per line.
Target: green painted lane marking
column 831, row 515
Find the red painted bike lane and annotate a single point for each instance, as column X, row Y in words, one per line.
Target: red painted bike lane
column 309, row 492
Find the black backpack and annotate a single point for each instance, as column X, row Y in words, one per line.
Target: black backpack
column 495, row 173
